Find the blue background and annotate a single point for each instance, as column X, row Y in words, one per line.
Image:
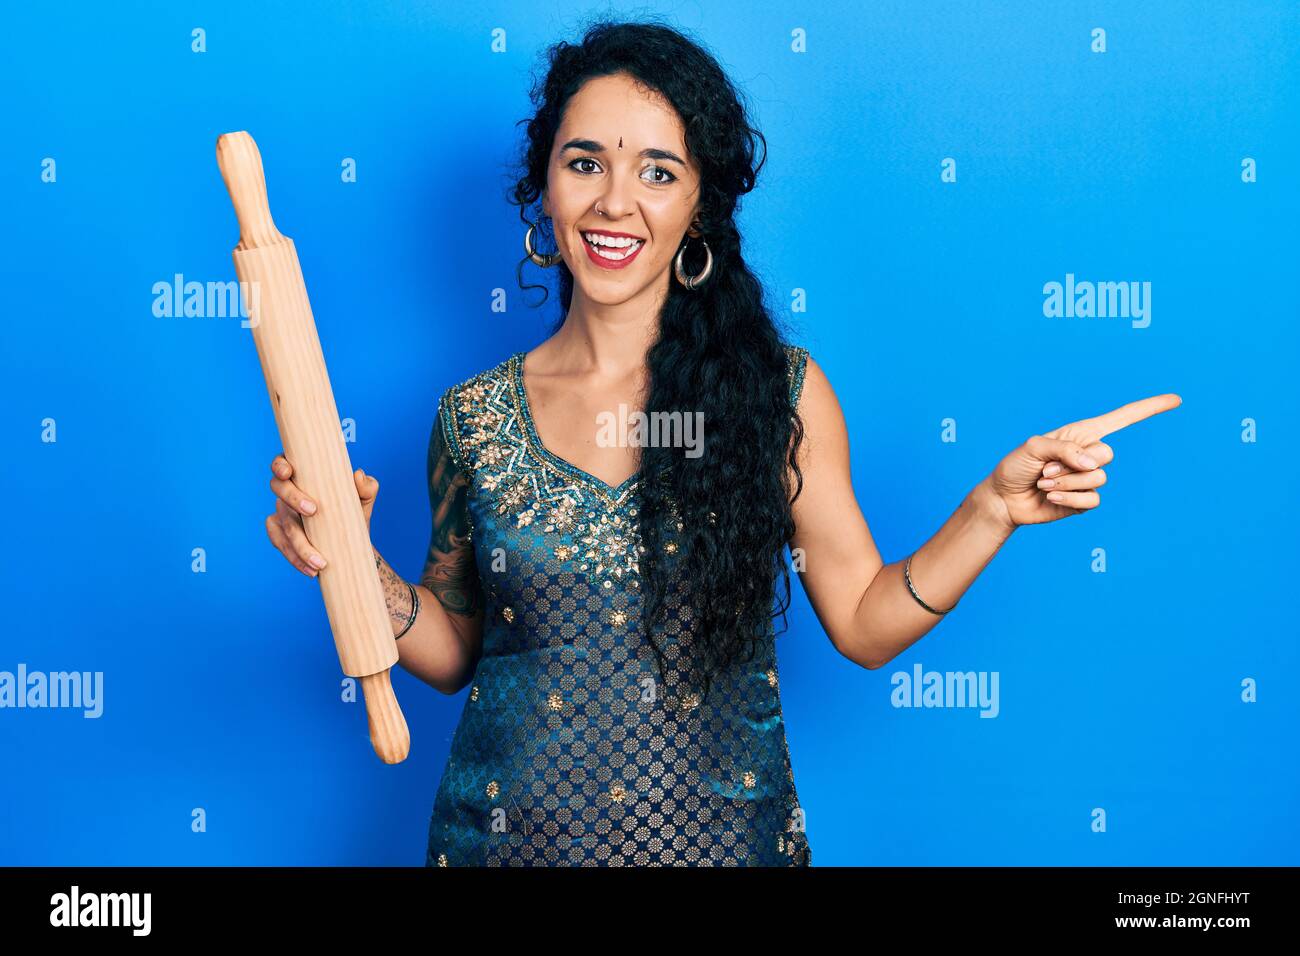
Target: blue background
column 1118, row 690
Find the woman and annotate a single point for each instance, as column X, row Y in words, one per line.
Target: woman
column 610, row 602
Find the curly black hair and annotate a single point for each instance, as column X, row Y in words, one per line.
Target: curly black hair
column 718, row 352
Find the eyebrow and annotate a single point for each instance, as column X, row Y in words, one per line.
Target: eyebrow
column 591, row 146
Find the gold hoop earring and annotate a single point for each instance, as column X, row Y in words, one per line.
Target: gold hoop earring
column 545, row 261
column 693, row 282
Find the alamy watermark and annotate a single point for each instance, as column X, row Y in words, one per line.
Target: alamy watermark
column 76, row 908
column 1098, row 300
column 651, row 429
column 176, row 298
column 82, row 690
column 978, row 689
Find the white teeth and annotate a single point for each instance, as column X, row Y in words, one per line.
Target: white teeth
column 596, row 239
column 629, row 246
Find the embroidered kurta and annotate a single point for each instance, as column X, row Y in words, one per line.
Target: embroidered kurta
column 572, row 748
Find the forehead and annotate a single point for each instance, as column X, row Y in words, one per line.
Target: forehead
column 607, row 107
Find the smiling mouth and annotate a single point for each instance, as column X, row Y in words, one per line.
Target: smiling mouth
column 612, row 249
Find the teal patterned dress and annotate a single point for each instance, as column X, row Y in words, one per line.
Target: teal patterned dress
column 572, row 748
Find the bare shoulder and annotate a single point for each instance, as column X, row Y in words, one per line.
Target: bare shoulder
column 819, row 409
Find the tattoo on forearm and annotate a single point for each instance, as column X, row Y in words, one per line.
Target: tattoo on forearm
column 397, row 596
column 449, row 571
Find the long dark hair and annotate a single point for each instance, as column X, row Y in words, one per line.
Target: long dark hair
column 718, row 352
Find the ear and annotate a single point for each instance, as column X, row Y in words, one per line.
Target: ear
column 546, row 205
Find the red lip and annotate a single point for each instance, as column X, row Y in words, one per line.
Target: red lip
column 606, row 263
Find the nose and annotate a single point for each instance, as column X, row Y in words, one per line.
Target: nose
column 616, row 200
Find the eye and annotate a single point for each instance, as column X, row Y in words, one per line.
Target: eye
column 582, row 159
column 671, row 178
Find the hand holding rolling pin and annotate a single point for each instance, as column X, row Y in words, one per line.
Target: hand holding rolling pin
column 284, row 525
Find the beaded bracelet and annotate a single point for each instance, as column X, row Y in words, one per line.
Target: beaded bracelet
column 907, row 575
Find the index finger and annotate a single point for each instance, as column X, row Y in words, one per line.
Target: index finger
column 1133, row 412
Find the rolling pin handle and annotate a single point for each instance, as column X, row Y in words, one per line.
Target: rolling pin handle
column 241, row 168
column 388, row 731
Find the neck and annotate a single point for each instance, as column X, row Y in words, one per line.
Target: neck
column 606, row 339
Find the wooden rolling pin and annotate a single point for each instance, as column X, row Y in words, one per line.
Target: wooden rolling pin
column 299, row 387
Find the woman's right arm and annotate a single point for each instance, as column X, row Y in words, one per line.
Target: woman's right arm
column 443, row 644
column 442, row 647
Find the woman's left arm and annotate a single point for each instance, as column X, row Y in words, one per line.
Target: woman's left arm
column 865, row 606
